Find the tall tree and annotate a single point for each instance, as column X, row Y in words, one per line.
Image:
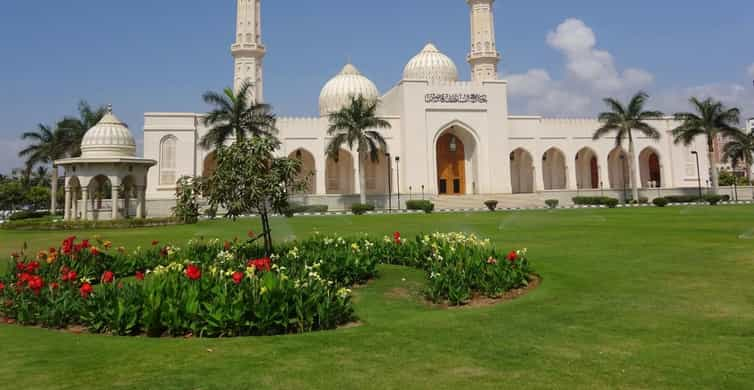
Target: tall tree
column 236, row 115
column 355, row 125
column 740, row 149
column 47, row 145
column 623, row 120
column 41, row 176
column 76, row 128
column 710, row 119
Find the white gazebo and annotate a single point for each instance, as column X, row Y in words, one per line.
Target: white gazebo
column 108, row 163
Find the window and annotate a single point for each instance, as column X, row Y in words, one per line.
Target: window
column 168, row 173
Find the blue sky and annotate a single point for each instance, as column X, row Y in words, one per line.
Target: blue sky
column 561, row 56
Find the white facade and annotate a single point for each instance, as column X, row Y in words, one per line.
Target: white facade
column 452, row 137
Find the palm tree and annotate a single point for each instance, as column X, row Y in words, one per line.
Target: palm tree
column 623, row 120
column 41, row 176
column 740, row 149
column 236, row 115
column 711, row 119
column 47, row 145
column 351, row 125
column 77, row 127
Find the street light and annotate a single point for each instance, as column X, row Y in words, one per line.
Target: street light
column 398, row 180
column 698, row 174
column 389, row 183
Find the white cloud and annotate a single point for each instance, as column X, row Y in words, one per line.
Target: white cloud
column 9, row 160
column 592, row 73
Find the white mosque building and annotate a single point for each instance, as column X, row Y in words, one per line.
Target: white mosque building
column 450, row 139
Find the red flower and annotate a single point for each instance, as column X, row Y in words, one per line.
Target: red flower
column 69, row 276
column 263, row 264
column 139, row 275
column 2, row 287
column 397, row 237
column 85, row 244
column 251, row 234
column 155, row 242
column 513, row 256
column 237, row 277
column 54, row 285
column 226, row 245
column 20, row 267
column 36, row 283
column 86, row 290
column 193, row 272
column 32, row 267
column 94, row 251
column 108, row 277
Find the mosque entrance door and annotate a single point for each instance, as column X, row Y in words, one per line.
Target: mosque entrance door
column 451, row 165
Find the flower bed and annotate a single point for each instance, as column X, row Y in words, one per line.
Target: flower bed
column 211, row 288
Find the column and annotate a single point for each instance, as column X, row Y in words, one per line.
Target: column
column 320, row 172
column 538, row 174
column 85, row 203
column 75, row 200
column 114, row 202
column 140, row 206
column 67, row 210
column 572, row 183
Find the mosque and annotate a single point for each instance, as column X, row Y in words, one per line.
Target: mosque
column 451, row 140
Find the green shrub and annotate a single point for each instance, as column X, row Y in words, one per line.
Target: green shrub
column 27, row 214
column 642, row 200
column 611, row 203
column 314, row 208
column 552, row 203
column 726, row 198
column 713, row 199
column 682, row 198
column 660, row 202
column 591, row 200
column 47, row 225
column 491, row 205
column 361, row 209
column 423, row 205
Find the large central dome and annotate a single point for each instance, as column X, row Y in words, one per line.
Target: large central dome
column 431, row 65
column 108, row 138
column 337, row 93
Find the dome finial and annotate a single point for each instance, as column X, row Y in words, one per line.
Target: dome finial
column 109, row 108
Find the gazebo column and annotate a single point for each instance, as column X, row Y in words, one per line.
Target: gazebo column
column 141, row 201
column 114, row 202
column 85, row 203
column 67, row 210
column 75, row 200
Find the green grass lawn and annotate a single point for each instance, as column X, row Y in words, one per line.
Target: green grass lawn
column 632, row 298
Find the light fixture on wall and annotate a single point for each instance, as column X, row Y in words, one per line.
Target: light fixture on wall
column 453, row 146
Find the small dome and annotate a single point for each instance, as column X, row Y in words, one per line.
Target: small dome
column 108, row 138
column 337, row 93
column 431, row 65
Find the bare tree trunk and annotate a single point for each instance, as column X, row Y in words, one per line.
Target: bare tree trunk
column 54, row 189
column 632, row 170
column 362, row 178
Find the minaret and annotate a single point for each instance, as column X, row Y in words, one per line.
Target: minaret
column 484, row 56
column 248, row 50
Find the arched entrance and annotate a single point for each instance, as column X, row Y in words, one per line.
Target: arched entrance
column 554, row 169
column 377, row 174
column 308, row 170
column 210, row 164
column 649, row 166
column 587, row 169
column 451, row 165
column 522, row 172
column 340, row 174
column 617, row 165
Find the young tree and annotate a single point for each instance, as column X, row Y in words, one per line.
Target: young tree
column 250, row 179
column 355, row 125
column 47, row 145
column 235, row 115
column 740, row 149
column 710, row 119
column 623, row 120
column 187, row 194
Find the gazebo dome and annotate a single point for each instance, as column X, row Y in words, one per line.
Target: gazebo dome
column 431, row 65
column 349, row 83
column 108, row 138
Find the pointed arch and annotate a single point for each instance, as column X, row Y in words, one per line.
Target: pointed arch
column 587, row 169
column 168, row 172
column 456, row 154
column 617, row 166
column 522, row 171
column 308, row 169
column 340, row 174
column 554, row 169
column 650, row 168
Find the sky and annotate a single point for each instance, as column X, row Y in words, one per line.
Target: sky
column 560, row 57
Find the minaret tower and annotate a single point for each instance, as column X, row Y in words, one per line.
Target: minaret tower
column 248, row 51
column 484, row 56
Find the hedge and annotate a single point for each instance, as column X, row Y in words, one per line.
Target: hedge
column 592, row 200
column 423, row 205
column 88, row 225
column 361, row 209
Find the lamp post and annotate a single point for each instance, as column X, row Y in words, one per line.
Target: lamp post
column 422, row 191
column 398, row 180
column 389, row 183
column 698, row 174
